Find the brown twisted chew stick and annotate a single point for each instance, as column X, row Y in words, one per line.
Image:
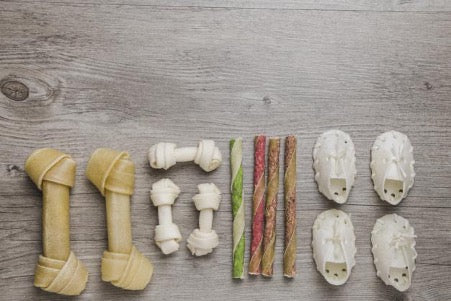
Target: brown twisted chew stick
column 258, row 206
column 289, row 254
column 269, row 238
column 58, row 270
column 112, row 172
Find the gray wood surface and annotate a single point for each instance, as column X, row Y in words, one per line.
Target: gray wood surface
column 127, row 74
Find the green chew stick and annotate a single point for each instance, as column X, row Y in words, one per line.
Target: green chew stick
column 236, row 189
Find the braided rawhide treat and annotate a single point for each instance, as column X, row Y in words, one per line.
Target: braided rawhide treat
column 167, row 234
column 113, row 173
column 236, row 189
column 206, row 155
column 202, row 241
column 58, row 269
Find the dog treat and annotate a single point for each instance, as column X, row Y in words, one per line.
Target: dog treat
column 334, row 246
column 393, row 240
column 258, row 206
column 269, row 237
column 202, row 241
column 334, row 164
column 58, row 269
column 113, row 173
column 289, row 253
column 392, row 166
column 167, row 234
column 206, row 155
column 236, row 189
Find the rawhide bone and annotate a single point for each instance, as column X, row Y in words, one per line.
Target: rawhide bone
column 58, row 269
column 167, row 234
column 113, row 173
column 202, row 241
column 206, row 155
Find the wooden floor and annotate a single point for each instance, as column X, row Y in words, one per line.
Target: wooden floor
column 128, row 74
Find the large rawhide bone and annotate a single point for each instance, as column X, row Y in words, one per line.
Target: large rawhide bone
column 113, row 173
column 202, row 241
column 58, row 269
column 167, row 234
column 206, row 155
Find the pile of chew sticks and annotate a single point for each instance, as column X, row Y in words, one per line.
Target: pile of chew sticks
column 264, row 210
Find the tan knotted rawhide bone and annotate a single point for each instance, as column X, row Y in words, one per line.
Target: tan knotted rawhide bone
column 113, row 173
column 58, row 269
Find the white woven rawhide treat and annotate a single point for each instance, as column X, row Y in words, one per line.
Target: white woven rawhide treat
column 167, row 234
column 394, row 252
column 202, row 241
column 334, row 164
column 334, row 246
column 206, row 155
column 392, row 166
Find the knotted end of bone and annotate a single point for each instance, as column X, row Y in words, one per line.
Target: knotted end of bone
column 167, row 237
column 162, row 155
column 209, row 197
column 202, row 243
column 111, row 170
column 48, row 164
column 208, row 156
column 62, row 277
column 128, row 271
column 164, row 192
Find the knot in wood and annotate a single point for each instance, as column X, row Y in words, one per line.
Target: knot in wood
column 15, row 90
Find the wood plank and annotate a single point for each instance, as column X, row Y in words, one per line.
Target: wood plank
column 341, row 5
column 128, row 76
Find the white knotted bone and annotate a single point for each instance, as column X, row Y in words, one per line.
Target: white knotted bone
column 202, row 241
column 167, row 234
column 393, row 240
column 334, row 246
column 392, row 166
column 206, row 155
column 334, row 164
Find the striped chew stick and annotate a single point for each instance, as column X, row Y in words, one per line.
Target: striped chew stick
column 236, row 189
column 258, row 205
column 289, row 254
column 269, row 238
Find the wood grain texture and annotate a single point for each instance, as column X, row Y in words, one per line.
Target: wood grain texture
column 125, row 76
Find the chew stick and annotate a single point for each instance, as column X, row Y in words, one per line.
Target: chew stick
column 289, row 254
column 58, row 269
column 258, row 206
column 269, row 238
column 236, row 189
column 123, row 265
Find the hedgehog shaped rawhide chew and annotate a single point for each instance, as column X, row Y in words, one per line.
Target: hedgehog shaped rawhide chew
column 333, row 246
column 393, row 240
column 392, row 166
column 334, row 164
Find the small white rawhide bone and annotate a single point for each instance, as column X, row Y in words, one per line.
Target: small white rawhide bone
column 206, row 155
column 167, row 234
column 202, row 241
